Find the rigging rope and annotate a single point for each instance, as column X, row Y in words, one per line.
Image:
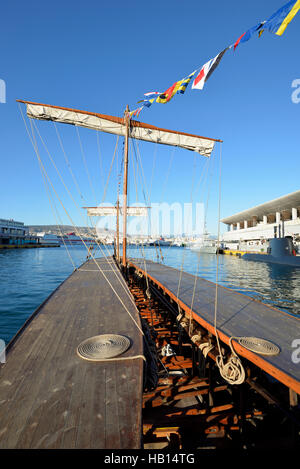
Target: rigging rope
column 142, row 179
column 206, row 165
column 232, row 371
column 100, row 158
column 47, row 187
column 198, row 263
column 53, row 206
column 68, row 162
column 109, row 173
column 64, row 208
column 98, row 244
column 183, row 252
column 140, row 172
column 153, row 166
column 85, row 163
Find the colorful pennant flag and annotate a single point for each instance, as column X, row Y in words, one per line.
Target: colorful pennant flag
column 169, row 93
column 152, row 93
column 136, row 112
column 147, row 102
column 248, row 34
column 185, row 83
column 278, row 22
column 207, row 70
column 178, row 87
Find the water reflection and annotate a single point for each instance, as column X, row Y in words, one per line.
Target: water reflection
column 273, row 284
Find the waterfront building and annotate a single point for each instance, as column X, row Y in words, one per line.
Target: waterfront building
column 251, row 229
column 14, row 233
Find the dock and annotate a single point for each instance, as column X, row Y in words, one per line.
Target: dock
column 237, row 316
column 50, row 397
column 28, row 246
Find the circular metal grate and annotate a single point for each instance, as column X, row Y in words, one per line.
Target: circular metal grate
column 102, row 347
column 262, row 346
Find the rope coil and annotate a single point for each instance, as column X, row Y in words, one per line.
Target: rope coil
column 233, row 371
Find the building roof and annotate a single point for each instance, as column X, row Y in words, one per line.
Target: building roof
column 286, row 202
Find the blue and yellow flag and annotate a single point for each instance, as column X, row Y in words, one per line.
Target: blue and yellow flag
column 278, row 22
column 184, row 83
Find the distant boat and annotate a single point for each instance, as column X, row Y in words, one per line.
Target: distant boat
column 73, row 239
column 162, row 242
column 208, row 247
column 178, row 243
column 48, row 238
column 206, row 244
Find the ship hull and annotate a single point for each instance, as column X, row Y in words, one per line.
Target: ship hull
column 293, row 261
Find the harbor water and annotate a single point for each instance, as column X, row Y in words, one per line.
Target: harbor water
column 28, row 277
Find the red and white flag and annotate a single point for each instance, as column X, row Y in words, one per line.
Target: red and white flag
column 206, row 71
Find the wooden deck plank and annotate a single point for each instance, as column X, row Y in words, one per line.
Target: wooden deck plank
column 112, row 438
column 77, row 395
column 49, row 396
column 52, row 389
column 237, row 316
column 128, row 376
column 26, row 392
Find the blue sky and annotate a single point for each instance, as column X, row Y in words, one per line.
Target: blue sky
column 100, row 56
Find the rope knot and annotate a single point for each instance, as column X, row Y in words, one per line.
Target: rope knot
column 232, row 371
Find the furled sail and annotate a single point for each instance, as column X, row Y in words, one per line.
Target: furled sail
column 108, row 211
column 116, row 125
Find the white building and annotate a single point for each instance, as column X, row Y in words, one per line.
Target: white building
column 251, row 228
column 12, row 232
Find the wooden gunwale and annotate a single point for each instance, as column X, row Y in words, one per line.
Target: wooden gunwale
column 272, row 370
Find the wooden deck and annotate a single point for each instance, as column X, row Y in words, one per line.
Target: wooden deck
column 49, row 396
column 238, row 316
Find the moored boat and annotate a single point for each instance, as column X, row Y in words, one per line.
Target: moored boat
column 48, row 238
column 280, row 251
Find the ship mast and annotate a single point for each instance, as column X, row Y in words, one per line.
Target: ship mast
column 125, row 186
column 118, row 230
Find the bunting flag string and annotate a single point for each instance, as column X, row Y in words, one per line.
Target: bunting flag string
column 277, row 23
